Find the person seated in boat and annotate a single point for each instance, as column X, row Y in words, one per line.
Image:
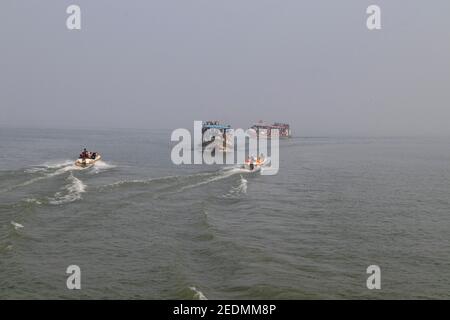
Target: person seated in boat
column 94, row 155
column 84, row 154
column 260, row 158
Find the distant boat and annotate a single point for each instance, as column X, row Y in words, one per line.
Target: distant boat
column 263, row 129
column 214, row 132
column 254, row 164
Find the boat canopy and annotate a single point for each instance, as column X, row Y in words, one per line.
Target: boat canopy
column 216, row 126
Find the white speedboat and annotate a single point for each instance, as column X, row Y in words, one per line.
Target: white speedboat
column 87, row 162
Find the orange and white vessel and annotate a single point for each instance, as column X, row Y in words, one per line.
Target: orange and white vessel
column 255, row 163
column 87, row 162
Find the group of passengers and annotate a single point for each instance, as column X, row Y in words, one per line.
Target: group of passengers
column 88, row 155
column 256, row 160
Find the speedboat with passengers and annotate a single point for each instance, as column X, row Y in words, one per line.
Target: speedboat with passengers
column 255, row 163
column 87, row 159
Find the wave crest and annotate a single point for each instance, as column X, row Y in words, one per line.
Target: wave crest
column 198, row 294
column 73, row 191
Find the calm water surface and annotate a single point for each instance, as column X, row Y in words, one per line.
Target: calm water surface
column 140, row 227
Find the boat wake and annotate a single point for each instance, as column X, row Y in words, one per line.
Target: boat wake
column 238, row 190
column 148, row 181
column 70, row 192
column 221, row 175
column 45, row 172
column 124, row 183
column 53, row 169
column 177, row 184
column 101, row 166
column 47, row 166
column 198, row 294
column 33, row 201
column 16, row 225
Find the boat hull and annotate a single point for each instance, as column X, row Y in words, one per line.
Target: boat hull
column 83, row 163
column 254, row 166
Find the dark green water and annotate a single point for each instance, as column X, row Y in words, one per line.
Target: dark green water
column 140, row 227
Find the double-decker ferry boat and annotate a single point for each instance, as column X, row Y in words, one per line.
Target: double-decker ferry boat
column 264, row 129
column 214, row 132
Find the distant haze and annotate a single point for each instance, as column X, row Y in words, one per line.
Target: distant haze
column 164, row 63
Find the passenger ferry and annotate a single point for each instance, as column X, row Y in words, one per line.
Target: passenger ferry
column 214, row 132
column 263, row 129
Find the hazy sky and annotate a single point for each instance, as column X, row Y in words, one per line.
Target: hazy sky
column 165, row 63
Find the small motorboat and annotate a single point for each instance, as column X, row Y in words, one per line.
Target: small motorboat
column 254, row 164
column 87, row 162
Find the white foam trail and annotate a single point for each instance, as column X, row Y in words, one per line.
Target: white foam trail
column 150, row 180
column 61, row 170
column 35, row 169
column 101, row 166
column 241, row 188
column 49, row 165
column 74, row 190
column 224, row 174
column 16, row 225
column 50, row 175
column 65, row 169
column 143, row 181
column 27, row 183
column 57, row 165
column 198, row 294
column 33, row 200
